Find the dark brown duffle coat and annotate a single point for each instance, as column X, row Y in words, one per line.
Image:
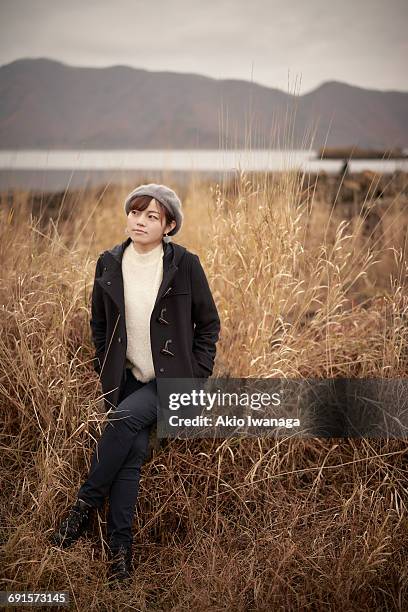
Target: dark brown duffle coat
column 184, row 324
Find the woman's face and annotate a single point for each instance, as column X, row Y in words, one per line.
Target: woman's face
column 145, row 226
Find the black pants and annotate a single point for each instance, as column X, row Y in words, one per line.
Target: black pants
column 119, row 456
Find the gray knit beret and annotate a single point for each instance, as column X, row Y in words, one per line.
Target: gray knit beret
column 162, row 194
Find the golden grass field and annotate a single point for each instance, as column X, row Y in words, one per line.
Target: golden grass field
column 305, row 287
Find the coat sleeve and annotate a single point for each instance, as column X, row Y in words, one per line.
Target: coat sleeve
column 98, row 319
column 205, row 318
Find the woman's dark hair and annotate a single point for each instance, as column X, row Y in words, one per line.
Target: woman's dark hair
column 143, row 201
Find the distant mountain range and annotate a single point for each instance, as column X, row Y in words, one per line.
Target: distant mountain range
column 45, row 104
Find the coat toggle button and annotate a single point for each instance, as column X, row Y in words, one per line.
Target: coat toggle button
column 161, row 319
column 165, row 350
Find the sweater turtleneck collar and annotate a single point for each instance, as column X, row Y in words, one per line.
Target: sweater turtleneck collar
column 145, row 259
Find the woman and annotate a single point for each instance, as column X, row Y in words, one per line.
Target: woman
column 153, row 317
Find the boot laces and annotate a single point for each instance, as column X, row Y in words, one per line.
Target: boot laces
column 120, row 560
column 75, row 518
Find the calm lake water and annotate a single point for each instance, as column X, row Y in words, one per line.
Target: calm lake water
column 54, row 169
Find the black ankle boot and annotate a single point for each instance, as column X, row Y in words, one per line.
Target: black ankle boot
column 121, row 567
column 73, row 526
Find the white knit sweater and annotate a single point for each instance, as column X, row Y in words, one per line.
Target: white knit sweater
column 142, row 275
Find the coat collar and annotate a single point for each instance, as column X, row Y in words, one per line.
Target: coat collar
column 112, row 279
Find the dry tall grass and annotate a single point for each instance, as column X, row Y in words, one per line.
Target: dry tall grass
column 253, row 524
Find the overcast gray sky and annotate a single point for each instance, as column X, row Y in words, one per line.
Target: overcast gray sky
column 293, row 45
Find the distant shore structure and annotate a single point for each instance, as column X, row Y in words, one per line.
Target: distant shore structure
column 348, row 153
